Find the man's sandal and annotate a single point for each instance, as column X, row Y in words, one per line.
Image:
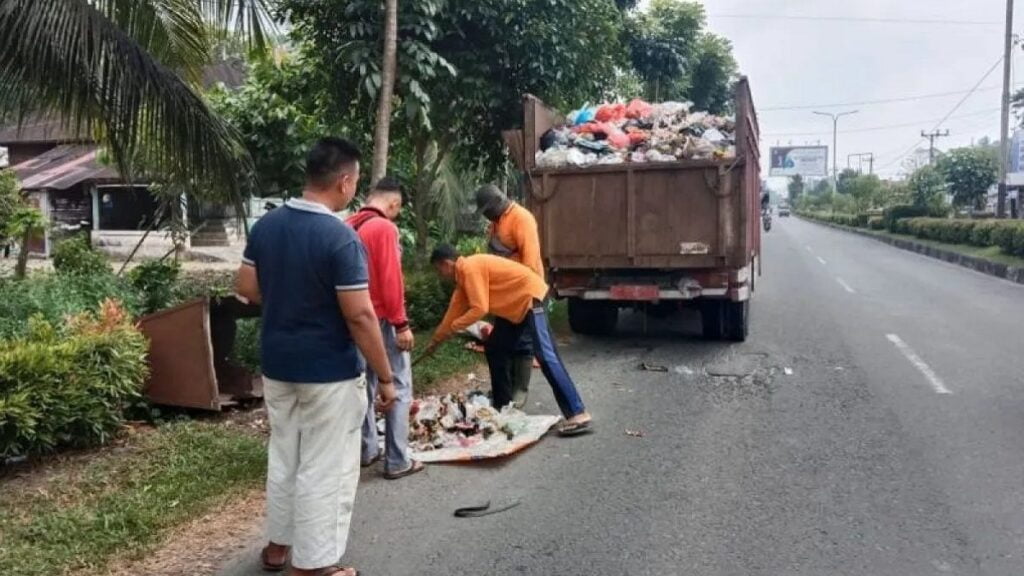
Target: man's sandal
column 413, row 468
column 269, row 566
column 338, row 571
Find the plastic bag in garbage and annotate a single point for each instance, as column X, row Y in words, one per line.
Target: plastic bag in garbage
column 611, row 113
column 577, row 157
column 638, row 109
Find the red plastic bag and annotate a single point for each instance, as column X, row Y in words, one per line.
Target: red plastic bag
column 638, row 109
column 611, row 112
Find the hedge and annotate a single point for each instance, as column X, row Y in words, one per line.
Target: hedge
column 1008, row 235
column 69, row 385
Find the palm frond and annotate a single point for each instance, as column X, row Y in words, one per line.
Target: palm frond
column 66, row 57
column 172, row 31
column 452, row 192
column 253, row 19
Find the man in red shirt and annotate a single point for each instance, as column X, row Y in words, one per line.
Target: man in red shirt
column 375, row 226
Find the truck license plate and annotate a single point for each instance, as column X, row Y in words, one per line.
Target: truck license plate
column 634, row 292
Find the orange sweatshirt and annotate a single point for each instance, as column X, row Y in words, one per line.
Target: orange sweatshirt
column 488, row 284
column 517, row 231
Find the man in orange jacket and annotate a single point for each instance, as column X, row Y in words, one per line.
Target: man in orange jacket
column 488, row 284
column 513, row 235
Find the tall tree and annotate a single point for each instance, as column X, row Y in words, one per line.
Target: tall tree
column 795, row 188
column 123, row 69
column 382, row 130
column 969, row 172
column 927, row 187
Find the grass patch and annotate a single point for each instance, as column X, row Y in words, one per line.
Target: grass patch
column 450, row 360
column 992, row 253
column 121, row 501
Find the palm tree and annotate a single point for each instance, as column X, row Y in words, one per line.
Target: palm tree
column 124, row 71
column 381, row 135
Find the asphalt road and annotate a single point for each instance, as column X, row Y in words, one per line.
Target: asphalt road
column 873, row 424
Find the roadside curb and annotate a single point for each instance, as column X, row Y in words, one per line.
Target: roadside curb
column 1011, row 273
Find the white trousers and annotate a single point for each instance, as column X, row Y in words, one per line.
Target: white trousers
column 313, row 466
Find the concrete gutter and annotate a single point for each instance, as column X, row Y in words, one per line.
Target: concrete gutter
column 983, row 265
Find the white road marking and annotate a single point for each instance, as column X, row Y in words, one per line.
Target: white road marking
column 809, row 249
column 845, row 285
column 822, row 260
column 920, row 364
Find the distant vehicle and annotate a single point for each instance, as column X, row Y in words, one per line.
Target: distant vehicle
column 783, row 211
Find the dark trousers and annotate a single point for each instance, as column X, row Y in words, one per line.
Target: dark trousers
column 506, row 342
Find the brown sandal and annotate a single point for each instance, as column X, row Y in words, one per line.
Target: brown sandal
column 413, row 468
column 269, row 566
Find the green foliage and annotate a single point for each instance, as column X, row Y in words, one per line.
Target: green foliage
column 247, row 343
column 122, row 502
column 10, row 201
column 469, row 245
column 155, row 281
column 74, row 256
column 969, row 172
column 795, row 189
column 894, row 214
column 677, row 59
column 67, row 386
column 927, row 187
column 876, row 223
column 54, row 297
column 1009, row 236
column 199, row 284
column 277, row 113
column 426, row 298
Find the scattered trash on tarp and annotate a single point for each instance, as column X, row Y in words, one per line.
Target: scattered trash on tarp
column 464, row 426
column 684, row 370
column 637, row 132
column 653, row 367
column 788, row 371
column 635, row 433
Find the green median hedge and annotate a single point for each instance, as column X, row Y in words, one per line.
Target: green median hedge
column 1008, row 235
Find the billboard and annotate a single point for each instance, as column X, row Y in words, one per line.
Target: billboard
column 807, row 161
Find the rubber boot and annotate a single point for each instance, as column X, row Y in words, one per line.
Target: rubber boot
column 522, row 371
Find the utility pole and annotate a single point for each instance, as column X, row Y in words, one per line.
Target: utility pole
column 835, row 143
column 1004, row 134
column 931, row 142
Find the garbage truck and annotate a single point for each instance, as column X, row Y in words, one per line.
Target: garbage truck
column 650, row 235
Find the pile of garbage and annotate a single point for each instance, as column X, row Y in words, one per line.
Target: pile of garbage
column 461, row 420
column 637, row 132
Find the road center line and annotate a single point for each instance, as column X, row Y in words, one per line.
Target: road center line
column 920, row 364
column 822, row 260
column 845, row 286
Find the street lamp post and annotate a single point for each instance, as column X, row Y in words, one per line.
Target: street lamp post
column 835, row 142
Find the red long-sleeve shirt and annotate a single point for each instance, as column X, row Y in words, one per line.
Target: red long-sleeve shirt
column 384, row 261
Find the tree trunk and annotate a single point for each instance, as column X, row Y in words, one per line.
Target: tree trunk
column 421, row 202
column 22, row 266
column 381, row 136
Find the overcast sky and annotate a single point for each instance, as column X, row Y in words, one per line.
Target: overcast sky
column 794, row 62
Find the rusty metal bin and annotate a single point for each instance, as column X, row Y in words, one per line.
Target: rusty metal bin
column 190, row 355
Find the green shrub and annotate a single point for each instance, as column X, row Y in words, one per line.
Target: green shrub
column 981, row 234
column 894, row 214
column 1009, row 236
column 473, row 244
column 55, row 296
column 876, row 223
column 155, row 282
column 426, row 298
column 197, row 284
column 247, row 343
column 74, row 256
column 69, row 386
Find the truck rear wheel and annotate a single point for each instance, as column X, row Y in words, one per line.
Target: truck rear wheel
column 592, row 318
column 712, row 316
column 737, row 320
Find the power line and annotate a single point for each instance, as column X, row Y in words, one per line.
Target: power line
column 883, row 127
column 869, row 102
column 951, row 112
column 916, row 21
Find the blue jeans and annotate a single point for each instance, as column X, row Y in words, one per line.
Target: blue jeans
column 396, row 420
column 545, row 350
